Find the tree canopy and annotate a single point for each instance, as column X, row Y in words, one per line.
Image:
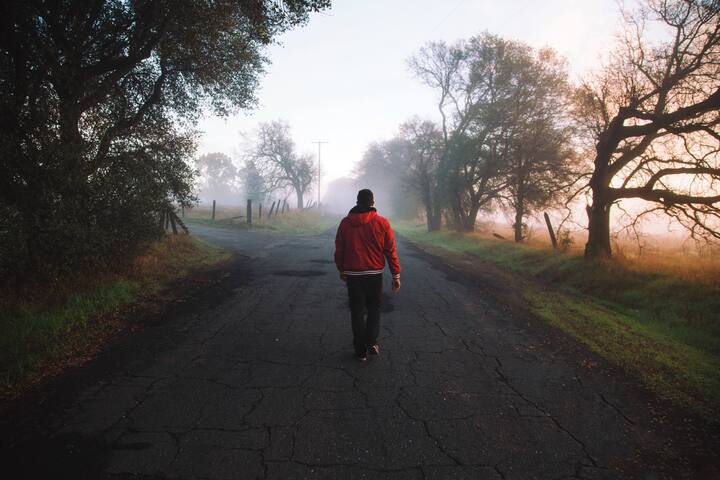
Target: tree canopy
column 652, row 115
column 97, row 104
column 495, row 97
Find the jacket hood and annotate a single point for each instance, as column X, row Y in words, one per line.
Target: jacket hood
column 361, row 214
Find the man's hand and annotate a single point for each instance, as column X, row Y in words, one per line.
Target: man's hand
column 343, row 277
column 396, row 284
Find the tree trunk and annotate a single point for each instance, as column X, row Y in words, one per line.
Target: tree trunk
column 519, row 214
column 436, row 224
column 598, row 244
column 519, row 201
column 299, row 194
column 468, row 221
column 432, row 211
column 434, row 219
column 458, row 215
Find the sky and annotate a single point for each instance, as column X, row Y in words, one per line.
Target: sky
column 343, row 77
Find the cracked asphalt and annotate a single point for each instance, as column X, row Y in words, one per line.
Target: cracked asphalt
column 256, row 379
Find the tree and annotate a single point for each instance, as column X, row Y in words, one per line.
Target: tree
column 280, row 165
column 424, row 148
column 652, row 114
column 219, row 177
column 478, row 94
column 97, row 101
column 253, row 182
column 539, row 171
column 383, row 169
column 541, row 159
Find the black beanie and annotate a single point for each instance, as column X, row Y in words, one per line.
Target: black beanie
column 365, row 197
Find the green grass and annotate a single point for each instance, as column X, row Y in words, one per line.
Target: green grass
column 56, row 325
column 34, row 333
column 662, row 328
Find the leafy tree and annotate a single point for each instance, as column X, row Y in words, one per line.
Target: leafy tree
column 539, row 171
column 501, row 106
column 97, row 101
column 384, row 168
column 219, row 177
column 541, row 159
column 475, row 82
column 280, row 165
column 424, row 146
column 652, row 114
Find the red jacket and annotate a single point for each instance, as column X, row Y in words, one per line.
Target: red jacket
column 364, row 240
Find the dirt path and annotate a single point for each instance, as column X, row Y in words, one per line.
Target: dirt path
column 256, row 379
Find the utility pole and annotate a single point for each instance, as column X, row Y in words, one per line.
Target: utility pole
column 319, row 144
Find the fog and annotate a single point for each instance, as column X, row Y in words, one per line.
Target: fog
column 343, row 78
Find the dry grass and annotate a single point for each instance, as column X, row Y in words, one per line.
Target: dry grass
column 292, row 222
column 171, row 258
column 667, row 255
column 685, row 266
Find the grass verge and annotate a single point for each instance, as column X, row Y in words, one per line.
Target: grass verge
column 49, row 327
column 663, row 329
column 294, row 222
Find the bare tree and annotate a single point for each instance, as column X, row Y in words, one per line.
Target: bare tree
column 653, row 115
column 280, row 165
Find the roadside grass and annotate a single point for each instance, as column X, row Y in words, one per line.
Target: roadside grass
column 293, row 222
column 661, row 327
column 51, row 326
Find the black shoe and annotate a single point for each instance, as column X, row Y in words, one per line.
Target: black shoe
column 374, row 349
column 361, row 357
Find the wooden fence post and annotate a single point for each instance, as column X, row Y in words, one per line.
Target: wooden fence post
column 213, row 214
column 553, row 239
column 249, row 211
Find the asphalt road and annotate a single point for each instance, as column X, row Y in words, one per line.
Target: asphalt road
column 256, row 379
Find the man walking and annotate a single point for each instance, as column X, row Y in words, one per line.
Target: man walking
column 364, row 240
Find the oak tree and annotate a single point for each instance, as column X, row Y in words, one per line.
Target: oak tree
column 652, row 113
column 97, row 104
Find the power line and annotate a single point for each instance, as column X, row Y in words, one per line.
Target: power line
column 448, row 15
column 319, row 144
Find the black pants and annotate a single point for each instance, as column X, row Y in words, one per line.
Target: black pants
column 365, row 292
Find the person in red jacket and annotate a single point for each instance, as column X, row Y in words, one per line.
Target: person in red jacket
column 363, row 242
